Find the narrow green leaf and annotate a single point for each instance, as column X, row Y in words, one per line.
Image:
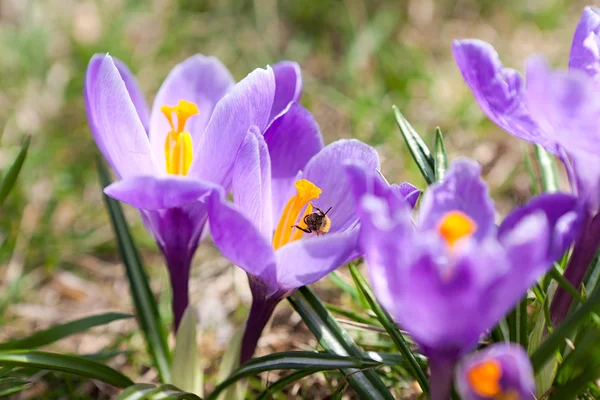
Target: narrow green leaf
column 230, row 363
column 64, row 363
column 9, row 179
column 343, row 285
column 390, row 326
column 186, row 364
column 351, row 315
column 296, row 360
column 143, row 298
column 556, row 339
column 548, row 170
column 416, row 146
column 11, row 385
column 585, row 355
column 144, row 391
column 535, row 187
column 283, row 382
column 61, row 331
column 334, row 339
column 441, row 159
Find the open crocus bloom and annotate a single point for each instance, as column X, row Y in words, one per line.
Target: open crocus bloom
column 169, row 159
column 452, row 278
column 557, row 110
column 265, row 231
column 500, row 371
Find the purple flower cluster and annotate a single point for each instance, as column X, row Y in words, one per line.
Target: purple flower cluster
column 300, row 209
column 559, row 110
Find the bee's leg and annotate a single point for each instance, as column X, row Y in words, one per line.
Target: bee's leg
column 302, row 229
column 318, row 209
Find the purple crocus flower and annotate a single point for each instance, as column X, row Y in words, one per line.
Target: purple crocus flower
column 169, row 159
column 557, row 110
column 265, row 232
column 456, row 275
column 500, row 371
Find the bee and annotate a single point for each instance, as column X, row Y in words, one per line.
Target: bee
column 317, row 222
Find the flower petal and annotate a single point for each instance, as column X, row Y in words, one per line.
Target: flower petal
column 303, row 262
column 526, row 246
column 327, row 171
column 240, row 242
column 462, row 190
column 135, row 93
column 252, row 182
column 563, row 213
column 288, row 86
column 585, row 50
column 565, row 104
column 247, row 104
column 199, row 79
column 293, row 139
column 158, row 193
column 385, row 229
column 367, row 181
column 498, row 91
column 114, row 121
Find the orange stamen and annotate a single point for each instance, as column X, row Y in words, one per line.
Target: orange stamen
column 454, row 226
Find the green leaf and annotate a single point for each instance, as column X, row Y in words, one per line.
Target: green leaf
column 10, row 385
column 283, row 382
column 230, row 363
column 441, row 159
column 386, row 320
column 9, row 179
column 61, row 331
column 144, row 391
column 333, row 338
column 535, row 189
column 297, row 360
column 548, row 170
column 143, row 299
column 581, row 367
column 64, row 363
column 572, row 322
column 186, row 364
column 416, row 146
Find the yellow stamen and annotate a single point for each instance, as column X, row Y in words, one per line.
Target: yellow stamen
column 306, row 191
column 178, row 145
column 454, row 226
column 484, row 379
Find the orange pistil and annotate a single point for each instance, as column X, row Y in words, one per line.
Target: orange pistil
column 306, row 191
column 454, row 226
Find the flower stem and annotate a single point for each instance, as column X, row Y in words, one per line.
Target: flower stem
column 583, row 254
column 440, row 380
column 260, row 312
column 179, row 274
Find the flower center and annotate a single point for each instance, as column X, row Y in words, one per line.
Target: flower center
column 484, row 379
column 454, row 226
column 178, row 145
column 292, row 214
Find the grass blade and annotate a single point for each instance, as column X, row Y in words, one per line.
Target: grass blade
column 145, row 391
column 64, row 363
column 416, row 146
column 548, row 170
column 333, row 338
column 386, row 320
column 61, row 331
column 11, row 385
column 143, row 298
column 441, row 158
column 297, row 360
column 546, row 350
column 283, row 382
column 10, row 178
column 186, row 364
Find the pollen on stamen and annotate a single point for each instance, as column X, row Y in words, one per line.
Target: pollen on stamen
column 484, row 378
column 455, row 225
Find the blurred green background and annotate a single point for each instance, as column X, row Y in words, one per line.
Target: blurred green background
column 58, row 258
